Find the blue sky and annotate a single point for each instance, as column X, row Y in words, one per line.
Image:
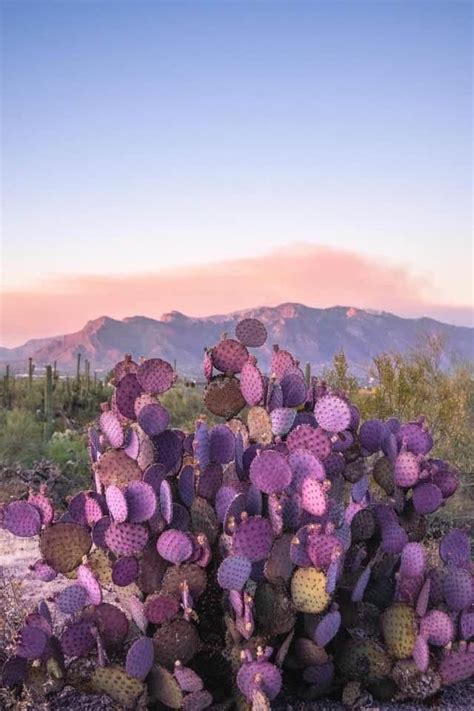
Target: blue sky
column 140, row 136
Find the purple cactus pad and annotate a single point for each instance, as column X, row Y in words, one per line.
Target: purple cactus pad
column 71, row 599
column 270, row 472
column 22, row 519
column 259, row 675
column 332, row 413
column 251, row 332
column 455, row 548
column 125, row 571
column 141, row 501
column 253, row 538
column 153, row 419
column 117, row 503
column 175, row 546
column 155, row 376
column 140, row 658
column 234, row 572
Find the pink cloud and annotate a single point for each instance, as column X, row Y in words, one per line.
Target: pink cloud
column 313, row 275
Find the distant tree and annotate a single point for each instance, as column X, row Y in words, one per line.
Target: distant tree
column 339, row 377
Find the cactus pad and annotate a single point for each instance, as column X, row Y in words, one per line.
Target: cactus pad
column 22, row 519
column 126, row 393
column 175, row 641
column 308, row 590
column 63, row 545
column 153, row 419
column 262, row 676
column 176, row 576
column 175, row 546
column 222, row 396
column 399, row 630
column 155, row 376
column 126, row 538
column 160, row 608
column 426, row 498
column 140, row 658
column 406, row 470
column 458, row 589
column 332, row 413
column 253, row 538
column 234, row 572
column 164, row 688
column 259, row 425
column 437, row 628
column 141, row 501
column 270, row 472
column 313, row 497
column 229, row 356
column 251, row 384
column 116, row 467
column 125, row 571
column 116, row 683
column 77, row 639
column 251, row 332
column 71, row 599
column 363, row 659
column 117, row 503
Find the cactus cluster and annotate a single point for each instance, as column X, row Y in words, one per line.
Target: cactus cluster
column 281, row 548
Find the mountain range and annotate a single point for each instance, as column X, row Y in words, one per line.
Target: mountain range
column 313, row 335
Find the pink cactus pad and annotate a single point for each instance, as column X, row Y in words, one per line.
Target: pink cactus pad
column 447, row 481
column 282, row 420
column 314, row 499
column 416, row 438
column 332, row 413
column 229, row 356
column 141, row 501
column 253, row 538
column 140, row 658
column 308, row 437
column 305, row 464
column 421, row 653
column 236, row 508
column 282, row 361
column 125, row 571
column 117, row 503
column 155, row 376
column 252, row 384
column 437, row 628
column 202, row 444
column 251, row 332
column 126, row 538
column 44, row 506
column 89, row 581
column 131, row 445
column 270, row 472
column 234, row 572
column 22, row 519
column 423, row 599
column 112, row 429
column 413, row 560
column 175, row 546
column 406, row 470
column 43, row 571
column 322, row 548
column 166, row 501
column 153, row 419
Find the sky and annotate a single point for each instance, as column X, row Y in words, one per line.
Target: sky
column 212, row 156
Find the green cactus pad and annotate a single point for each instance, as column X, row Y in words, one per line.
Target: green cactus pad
column 399, row 630
column 116, row 683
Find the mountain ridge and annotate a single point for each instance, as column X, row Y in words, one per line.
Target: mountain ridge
column 313, row 334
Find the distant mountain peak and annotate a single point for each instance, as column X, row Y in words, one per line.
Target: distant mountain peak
column 314, row 335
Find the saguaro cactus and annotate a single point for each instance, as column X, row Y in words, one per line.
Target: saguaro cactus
column 48, row 402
